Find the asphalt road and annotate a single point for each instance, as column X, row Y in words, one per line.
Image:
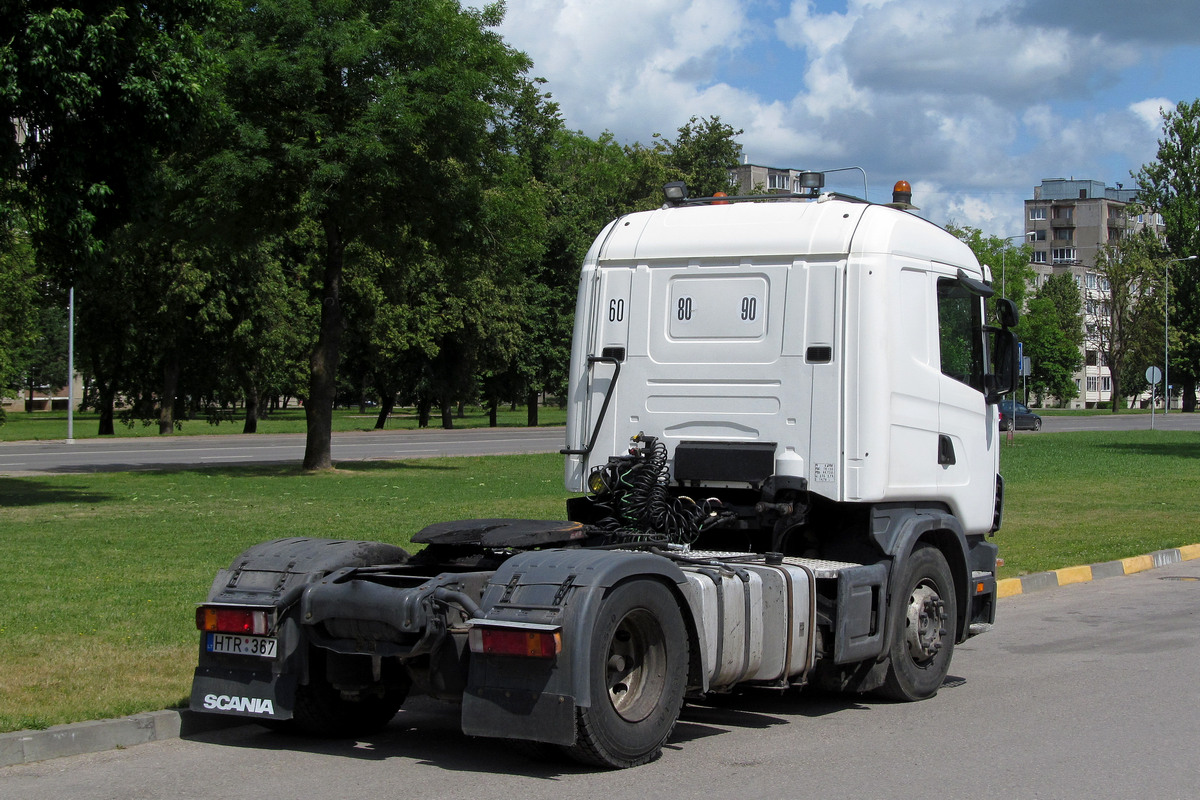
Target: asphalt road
column 1087, row 691
column 1174, row 421
column 94, row 455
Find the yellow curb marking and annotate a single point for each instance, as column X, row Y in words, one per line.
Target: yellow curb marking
column 1137, row 564
column 1008, row 587
column 1071, row 575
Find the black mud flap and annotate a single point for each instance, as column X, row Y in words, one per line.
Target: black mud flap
column 528, row 715
column 861, row 613
column 257, row 695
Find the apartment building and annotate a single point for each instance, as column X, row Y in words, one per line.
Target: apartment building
column 750, row 178
column 1068, row 222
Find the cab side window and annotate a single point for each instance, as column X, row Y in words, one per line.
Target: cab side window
column 959, row 326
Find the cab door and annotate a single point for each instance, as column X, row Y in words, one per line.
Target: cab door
column 967, row 432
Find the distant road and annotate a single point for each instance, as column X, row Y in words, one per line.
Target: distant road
column 167, row 452
column 1121, row 422
column 174, row 452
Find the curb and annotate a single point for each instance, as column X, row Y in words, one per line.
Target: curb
column 1010, row 587
column 26, row 747
column 77, row 738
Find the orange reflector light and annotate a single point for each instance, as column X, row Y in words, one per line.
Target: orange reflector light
column 979, row 588
column 232, row 620
column 525, row 642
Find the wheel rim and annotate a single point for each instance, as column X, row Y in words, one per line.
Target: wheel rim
column 635, row 671
column 925, row 624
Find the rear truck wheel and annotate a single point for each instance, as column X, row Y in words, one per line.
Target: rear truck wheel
column 637, row 668
column 325, row 709
column 923, row 621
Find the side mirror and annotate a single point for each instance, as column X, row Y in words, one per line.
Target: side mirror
column 1004, row 364
column 1006, row 311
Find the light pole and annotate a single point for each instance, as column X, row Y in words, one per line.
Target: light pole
column 1166, row 324
column 1004, row 261
column 71, row 367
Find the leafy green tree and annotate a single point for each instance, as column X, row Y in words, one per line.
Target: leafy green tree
column 45, row 358
column 18, row 309
column 1170, row 185
column 702, row 154
column 379, row 120
column 1051, row 331
column 1008, row 263
column 1124, row 317
column 99, row 91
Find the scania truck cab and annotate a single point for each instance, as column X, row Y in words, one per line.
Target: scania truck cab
column 782, row 428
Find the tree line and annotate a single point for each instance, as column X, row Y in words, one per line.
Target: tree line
column 324, row 199
column 261, row 198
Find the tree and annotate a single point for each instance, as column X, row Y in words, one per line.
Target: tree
column 1170, row 186
column 18, row 310
column 1008, row 263
column 1125, row 303
column 44, row 360
column 380, row 121
column 1051, row 332
column 99, row 91
column 703, row 153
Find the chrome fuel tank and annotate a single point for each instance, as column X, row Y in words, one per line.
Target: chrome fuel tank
column 756, row 619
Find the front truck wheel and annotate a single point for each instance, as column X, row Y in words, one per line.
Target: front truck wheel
column 923, row 625
column 637, row 667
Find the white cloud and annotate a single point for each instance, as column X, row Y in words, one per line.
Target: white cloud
column 1151, row 111
column 976, row 102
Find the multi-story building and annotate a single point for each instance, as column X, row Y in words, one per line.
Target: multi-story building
column 749, row 178
column 1069, row 222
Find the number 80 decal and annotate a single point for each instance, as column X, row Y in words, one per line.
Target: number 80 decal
column 684, row 308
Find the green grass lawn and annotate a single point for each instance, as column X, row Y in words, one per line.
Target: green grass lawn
column 1084, row 498
column 103, row 570
column 46, row 425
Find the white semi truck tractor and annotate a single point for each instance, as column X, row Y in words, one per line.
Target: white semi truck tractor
column 782, row 423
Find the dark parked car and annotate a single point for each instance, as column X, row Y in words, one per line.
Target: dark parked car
column 1021, row 418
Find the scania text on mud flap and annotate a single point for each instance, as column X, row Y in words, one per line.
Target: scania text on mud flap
column 782, row 420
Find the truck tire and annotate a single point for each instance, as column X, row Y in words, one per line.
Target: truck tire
column 321, row 710
column 638, row 663
column 923, row 622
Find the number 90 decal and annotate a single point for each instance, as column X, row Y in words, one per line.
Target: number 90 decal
column 749, row 308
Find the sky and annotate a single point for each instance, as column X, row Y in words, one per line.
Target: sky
column 973, row 102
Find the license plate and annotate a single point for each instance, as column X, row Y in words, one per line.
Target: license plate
column 229, row 644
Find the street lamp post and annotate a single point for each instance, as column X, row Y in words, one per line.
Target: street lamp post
column 1166, row 338
column 1004, row 260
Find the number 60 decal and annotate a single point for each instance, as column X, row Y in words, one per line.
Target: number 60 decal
column 616, row 310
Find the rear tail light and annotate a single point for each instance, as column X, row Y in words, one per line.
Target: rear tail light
column 226, row 619
column 528, row 642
